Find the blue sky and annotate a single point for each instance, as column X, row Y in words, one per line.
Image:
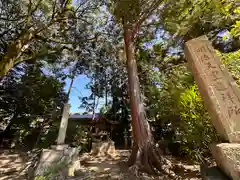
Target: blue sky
column 79, row 90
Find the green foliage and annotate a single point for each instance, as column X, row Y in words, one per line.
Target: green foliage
column 232, row 63
column 203, row 14
column 171, row 92
column 235, row 31
column 43, row 30
column 129, row 11
column 31, row 104
column 81, row 137
column 196, row 128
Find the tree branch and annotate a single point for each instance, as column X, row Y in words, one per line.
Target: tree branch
column 146, row 14
column 16, row 19
column 38, row 55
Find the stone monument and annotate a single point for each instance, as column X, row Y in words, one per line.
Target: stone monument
column 60, row 159
column 125, row 136
column 222, row 100
column 63, row 125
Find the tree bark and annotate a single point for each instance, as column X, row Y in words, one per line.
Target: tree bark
column 144, row 154
column 14, row 52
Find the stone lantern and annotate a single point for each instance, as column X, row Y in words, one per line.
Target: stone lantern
column 125, row 135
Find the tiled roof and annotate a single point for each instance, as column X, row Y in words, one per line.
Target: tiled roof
column 83, row 116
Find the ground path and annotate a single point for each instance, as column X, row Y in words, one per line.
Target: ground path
column 13, row 167
column 115, row 167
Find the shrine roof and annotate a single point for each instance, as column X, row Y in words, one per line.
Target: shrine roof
column 84, row 116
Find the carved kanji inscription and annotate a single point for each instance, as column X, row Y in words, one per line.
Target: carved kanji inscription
column 221, row 100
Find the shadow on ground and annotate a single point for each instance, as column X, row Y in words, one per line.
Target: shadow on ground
column 116, row 168
column 12, row 166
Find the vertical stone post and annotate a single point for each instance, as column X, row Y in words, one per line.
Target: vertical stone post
column 63, row 125
column 220, row 94
column 61, row 156
column 131, row 135
column 222, row 100
column 125, row 139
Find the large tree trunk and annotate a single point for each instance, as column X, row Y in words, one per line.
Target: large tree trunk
column 14, row 52
column 144, row 153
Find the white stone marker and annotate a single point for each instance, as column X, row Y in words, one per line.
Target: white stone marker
column 63, row 126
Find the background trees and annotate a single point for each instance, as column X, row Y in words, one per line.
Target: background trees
column 30, row 102
column 41, row 40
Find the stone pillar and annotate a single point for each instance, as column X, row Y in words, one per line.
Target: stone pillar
column 222, row 100
column 131, row 139
column 62, row 159
column 125, row 139
column 131, row 135
column 58, row 163
column 221, row 96
column 63, row 125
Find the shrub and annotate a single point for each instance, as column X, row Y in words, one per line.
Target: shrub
column 196, row 129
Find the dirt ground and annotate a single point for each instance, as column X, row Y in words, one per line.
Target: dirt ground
column 116, row 168
column 13, row 166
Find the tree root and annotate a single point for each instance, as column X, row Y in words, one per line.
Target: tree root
column 149, row 159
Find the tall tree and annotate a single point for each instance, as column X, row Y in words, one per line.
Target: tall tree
column 132, row 14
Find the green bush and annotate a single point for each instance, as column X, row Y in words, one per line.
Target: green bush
column 196, row 129
column 232, row 62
